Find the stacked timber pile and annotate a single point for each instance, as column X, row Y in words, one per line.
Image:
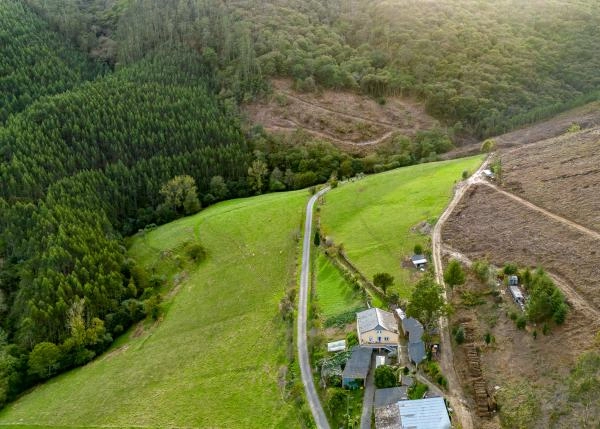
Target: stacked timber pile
column 484, row 403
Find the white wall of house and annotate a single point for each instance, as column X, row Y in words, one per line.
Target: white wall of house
column 378, row 337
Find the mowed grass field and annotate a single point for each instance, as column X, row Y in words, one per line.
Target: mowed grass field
column 334, row 294
column 373, row 217
column 213, row 361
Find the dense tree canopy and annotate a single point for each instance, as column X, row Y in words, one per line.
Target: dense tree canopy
column 33, row 60
column 481, row 67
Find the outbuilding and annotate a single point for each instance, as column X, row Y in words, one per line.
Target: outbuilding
column 488, row 173
column 336, row 346
column 419, row 261
column 412, row 328
column 357, row 368
column 429, row 413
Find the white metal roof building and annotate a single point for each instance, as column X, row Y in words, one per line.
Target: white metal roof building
column 430, row 413
column 336, row 346
column 418, row 260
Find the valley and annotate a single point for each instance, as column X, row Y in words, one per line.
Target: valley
column 159, row 162
column 221, row 344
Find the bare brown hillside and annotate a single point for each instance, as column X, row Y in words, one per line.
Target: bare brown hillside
column 489, row 225
column 561, row 175
column 349, row 120
column 586, row 117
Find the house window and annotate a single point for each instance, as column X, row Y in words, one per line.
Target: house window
column 387, row 338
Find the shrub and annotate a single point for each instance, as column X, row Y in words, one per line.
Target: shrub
column 195, row 251
column 417, row 390
column 487, row 338
column 521, row 322
column 385, row 376
column 481, row 269
column 418, row 249
column 510, row 269
column 465, row 175
column 459, row 336
column 351, row 339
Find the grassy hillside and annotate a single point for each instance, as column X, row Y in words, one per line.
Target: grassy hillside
column 214, row 359
column 334, row 292
column 374, row 217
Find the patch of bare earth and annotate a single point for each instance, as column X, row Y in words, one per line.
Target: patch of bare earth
column 587, row 116
column 344, row 118
column 487, row 224
column 561, row 175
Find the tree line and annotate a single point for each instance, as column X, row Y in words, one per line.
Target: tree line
column 481, row 67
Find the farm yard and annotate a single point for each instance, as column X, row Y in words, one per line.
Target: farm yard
column 217, row 357
column 528, row 367
column 376, row 218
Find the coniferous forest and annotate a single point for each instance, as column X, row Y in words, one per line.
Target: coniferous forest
column 102, row 103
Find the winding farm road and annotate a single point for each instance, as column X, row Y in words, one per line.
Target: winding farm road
column 304, row 360
column 456, row 396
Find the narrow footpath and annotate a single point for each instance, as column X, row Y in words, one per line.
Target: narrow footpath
column 368, row 397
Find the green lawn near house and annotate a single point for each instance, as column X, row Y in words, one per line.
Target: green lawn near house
column 335, row 294
column 373, row 216
column 215, row 359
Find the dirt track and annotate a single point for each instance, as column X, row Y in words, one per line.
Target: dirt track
column 562, row 175
column 347, row 119
column 456, row 396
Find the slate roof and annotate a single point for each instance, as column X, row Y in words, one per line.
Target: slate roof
column 358, row 364
column 430, row 413
column 385, row 397
column 375, row 318
column 414, row 328
column 416, row 352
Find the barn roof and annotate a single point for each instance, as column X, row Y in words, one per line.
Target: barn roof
column 416, row 352
column 430, row 413
column 414, row 328
column 384, row 397
column 358, row 364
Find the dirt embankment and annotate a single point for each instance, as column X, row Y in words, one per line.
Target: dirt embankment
column 349, row 120
column 561, row 175
column 487, row 224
